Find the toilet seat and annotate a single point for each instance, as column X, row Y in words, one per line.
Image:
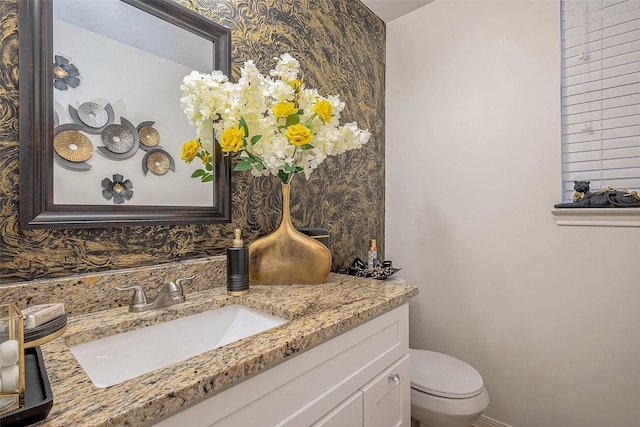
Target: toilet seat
column 442, row 375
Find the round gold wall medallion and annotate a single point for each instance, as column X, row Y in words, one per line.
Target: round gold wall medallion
column 73, row 146
column 158, row 163
column 149, row 136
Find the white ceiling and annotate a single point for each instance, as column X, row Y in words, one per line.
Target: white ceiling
column 388, row 10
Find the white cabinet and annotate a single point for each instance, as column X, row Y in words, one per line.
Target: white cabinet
column 387, row 399
column 359, row 378
column 348, row 413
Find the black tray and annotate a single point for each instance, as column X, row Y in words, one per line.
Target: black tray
column 38, row 398
column 45, row 329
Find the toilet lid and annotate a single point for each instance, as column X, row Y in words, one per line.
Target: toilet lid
column 442, row 375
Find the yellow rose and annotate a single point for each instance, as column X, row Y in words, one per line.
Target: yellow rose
column 190, row 150
column 296, row 85
column 231, row 139
column 298, row 135
column 284, row 109
column 323, row 110
column 206, row 159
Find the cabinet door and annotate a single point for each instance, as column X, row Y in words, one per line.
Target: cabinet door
column 387, row 398
column 348, row 413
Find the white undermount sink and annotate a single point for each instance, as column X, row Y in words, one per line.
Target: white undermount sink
column 112, row 360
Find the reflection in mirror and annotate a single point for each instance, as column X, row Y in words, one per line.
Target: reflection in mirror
column 102, row 111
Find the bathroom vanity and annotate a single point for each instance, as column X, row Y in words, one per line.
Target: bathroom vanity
column 341, row 359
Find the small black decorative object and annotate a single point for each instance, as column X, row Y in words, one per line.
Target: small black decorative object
column 607, row 198
column 65, row 75
column 360, row 269
column 119, row 190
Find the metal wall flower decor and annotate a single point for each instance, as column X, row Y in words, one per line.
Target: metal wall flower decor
column 120, row 190
column 65, row 75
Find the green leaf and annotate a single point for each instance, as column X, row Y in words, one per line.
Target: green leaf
column 307, row 146
column 293, row 119
column 243, row 165
column 284, row 177
column 197, row 173
column 255, row 139
column 243, row 125
column 207, row 178
column 209, row 167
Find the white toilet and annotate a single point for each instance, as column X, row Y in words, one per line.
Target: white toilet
column 445, row 391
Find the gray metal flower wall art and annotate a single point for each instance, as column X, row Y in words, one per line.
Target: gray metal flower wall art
column 120, row 190
column 65, row 75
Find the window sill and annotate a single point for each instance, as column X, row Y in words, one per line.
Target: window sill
column 600, row 217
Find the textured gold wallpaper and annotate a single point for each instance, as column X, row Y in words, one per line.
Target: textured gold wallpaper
column 341, row 47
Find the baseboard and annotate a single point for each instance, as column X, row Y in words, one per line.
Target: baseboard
column 485, row 421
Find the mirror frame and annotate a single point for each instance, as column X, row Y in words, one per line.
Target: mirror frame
column 37, row 209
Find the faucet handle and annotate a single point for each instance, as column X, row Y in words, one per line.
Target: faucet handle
column 139, row 297
column 177, row 286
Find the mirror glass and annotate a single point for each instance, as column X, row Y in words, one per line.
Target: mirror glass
column 109, row 79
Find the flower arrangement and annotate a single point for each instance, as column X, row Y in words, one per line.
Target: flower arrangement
column 274, row 124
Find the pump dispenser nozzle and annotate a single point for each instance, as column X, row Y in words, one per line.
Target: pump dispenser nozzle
column 237, row 240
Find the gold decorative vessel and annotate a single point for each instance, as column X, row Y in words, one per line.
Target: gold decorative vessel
column 286, row 256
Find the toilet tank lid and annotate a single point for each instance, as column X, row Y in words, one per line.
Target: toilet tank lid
column 443, row 375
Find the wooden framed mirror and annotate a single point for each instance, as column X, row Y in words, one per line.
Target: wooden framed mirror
column 113, row 74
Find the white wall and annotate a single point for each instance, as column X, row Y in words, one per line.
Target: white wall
column 548, row 315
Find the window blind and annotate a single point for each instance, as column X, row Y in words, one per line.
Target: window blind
column 600, row 94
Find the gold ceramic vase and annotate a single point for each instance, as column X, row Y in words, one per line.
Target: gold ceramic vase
column 286, row 256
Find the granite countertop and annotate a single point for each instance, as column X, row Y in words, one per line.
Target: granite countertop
column 316, row 313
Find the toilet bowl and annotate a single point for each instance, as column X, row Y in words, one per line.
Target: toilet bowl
column 445, row 391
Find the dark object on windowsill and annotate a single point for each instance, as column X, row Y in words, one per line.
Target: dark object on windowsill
column 607, row 198
column 360, row 269
column 38, row 398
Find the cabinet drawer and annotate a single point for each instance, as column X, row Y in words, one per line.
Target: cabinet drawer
column 348, row 413
column 387, row 398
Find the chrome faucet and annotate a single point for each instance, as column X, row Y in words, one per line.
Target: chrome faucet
column 170, row 294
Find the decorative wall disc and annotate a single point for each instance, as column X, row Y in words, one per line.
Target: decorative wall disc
column 73, row 146
column 117, row 138
column 158, row 162
column 93, row 115
column 149, row 136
